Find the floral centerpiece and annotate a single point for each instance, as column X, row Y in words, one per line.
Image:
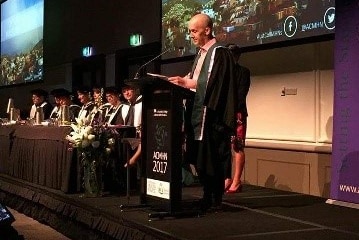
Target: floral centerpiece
column 94, row 143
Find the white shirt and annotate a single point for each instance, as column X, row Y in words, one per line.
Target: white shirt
column 33, row 109
column 137, row 110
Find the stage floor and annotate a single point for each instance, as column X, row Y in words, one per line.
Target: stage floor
column 256, row 213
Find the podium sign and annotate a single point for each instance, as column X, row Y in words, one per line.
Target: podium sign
column 162, row 139
column 158, row 155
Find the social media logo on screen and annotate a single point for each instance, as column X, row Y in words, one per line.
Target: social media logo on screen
column 290, row 26
column 329, row 18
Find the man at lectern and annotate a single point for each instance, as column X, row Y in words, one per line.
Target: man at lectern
column 213, row 108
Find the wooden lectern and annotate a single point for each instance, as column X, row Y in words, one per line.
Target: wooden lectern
column 162, row 139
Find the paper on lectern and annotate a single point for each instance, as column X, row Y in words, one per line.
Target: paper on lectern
column 158, row 75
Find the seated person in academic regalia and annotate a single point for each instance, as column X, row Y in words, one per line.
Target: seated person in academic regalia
column 114, row 176
column 132, row 107
column 85, row 98
column 99, row 98
column 65, row 99
column 113, row 116
column 54, row 113
column 132, row 114
column 101, row 104
column 39, row 99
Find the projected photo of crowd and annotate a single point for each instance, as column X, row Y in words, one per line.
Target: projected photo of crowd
column 246, row 22
column 21, row 41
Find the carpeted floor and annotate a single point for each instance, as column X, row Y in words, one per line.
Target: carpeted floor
column 27, row 228
column 256, row 213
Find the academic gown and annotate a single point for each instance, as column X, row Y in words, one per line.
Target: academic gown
column 46, row 107
column 222, row 89
column 221, row 101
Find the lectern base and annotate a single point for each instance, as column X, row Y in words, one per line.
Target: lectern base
column 123, row 207
column 182, row 214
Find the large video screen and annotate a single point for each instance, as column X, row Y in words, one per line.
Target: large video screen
column 247, row 23
column 22, row 24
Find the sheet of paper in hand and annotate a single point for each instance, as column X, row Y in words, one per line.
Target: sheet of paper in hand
column 158, row 75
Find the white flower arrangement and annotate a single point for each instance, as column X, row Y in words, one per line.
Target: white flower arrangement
column 94, row 142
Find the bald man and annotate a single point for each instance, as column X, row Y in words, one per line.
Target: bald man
column 211, row 119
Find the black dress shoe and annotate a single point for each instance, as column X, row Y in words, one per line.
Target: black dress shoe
column 205, row 204
column 215, row 208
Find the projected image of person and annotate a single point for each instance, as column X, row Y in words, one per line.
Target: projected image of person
column 213, row 108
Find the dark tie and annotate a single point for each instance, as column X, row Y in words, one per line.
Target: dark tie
column 130, row 116
column 195, row 62
column 54, row 115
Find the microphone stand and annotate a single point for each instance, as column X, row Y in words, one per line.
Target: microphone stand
column 139, row 70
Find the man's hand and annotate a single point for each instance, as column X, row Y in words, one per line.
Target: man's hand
column 177, row 80
column 183, row 81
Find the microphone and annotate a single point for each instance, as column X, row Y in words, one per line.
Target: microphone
column 144, row 65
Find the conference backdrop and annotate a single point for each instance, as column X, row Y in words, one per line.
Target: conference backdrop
column 345, row 157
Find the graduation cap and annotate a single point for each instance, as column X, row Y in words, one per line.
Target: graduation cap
column 83, row 90
column 54, row 92
column 60, row 92
column 126, row 85
column 39, row 92
column 112, row 90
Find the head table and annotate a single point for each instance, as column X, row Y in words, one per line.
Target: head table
column 40, row 155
